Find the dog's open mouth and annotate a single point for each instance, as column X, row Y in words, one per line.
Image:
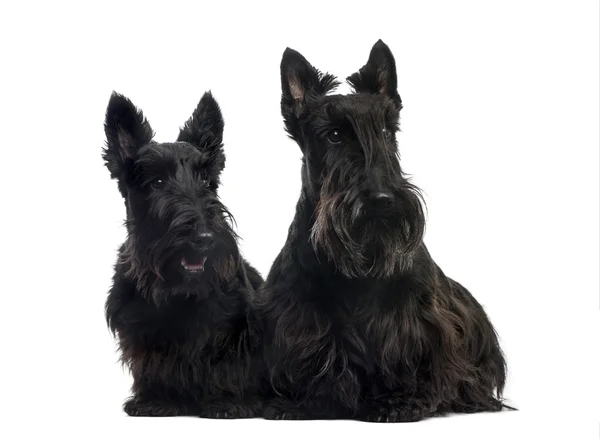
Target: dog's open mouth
column 194, row 266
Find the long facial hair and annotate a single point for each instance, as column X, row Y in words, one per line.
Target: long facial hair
column 150, row 261
column 364, row 238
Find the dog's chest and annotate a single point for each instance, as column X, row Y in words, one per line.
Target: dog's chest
column 202, row 362
column 358, row 341
column 359, row 329
column 159, row 345
column 342, row 333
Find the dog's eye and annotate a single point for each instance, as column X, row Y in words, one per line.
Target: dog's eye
column 387, row 133
column 157, row 184
column 334, row 137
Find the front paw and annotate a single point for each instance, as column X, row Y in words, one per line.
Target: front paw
column 395, row 414
column 222, row 411
column 279, row 414
column 231, row 408
column 139, row 406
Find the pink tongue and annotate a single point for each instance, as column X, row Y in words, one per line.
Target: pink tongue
column 195, row 266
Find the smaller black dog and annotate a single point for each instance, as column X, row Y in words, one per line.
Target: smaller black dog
column 181, row 291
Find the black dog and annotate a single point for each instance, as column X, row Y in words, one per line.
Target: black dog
column 360, row 322
column 180, row 294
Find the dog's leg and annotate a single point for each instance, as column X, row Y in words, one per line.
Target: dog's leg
column 141, row 405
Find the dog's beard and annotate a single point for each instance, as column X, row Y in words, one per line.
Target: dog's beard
column 369, row 240
column 156, row 268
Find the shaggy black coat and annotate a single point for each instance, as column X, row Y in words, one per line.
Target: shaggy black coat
column 359, row 320
column 179, row 303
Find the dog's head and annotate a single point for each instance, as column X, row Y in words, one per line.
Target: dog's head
column 369, row 218
column 180, row 238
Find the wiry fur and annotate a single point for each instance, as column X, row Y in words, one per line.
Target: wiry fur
column 359, row 320
column 186, row 336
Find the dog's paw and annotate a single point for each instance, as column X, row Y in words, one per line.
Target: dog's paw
column 228, row 413
column 218, row 414
column 279, row 414
column 230, row 410
column 145, row 407
column 395, row 414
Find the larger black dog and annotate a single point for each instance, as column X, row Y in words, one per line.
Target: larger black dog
column 360, row 321
column 179, row 301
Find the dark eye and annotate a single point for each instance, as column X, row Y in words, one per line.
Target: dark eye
column 387, row 133
column 157, row 184
column 206, row 182
column 334, row 137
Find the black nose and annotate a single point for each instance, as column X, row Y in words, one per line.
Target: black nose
column 202, row 240
column 384, row 197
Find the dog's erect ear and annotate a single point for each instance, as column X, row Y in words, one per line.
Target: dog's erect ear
column 300, row 82
column 126, row 131
column 378, row 75
column 205, row 128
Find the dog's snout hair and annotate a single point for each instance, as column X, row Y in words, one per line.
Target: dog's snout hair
column 184, row 208
column 378, row 155
column 362, row 234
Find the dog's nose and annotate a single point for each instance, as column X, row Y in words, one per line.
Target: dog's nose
column 383, row 197
column 202, row 240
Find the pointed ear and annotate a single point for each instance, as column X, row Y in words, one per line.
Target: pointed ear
column 205, row 131
column 205, row 128
column 126, row 131
column 378, row 75
column 300, row 82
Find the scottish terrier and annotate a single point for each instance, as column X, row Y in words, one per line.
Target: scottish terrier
column 360, row 322
column 179, row 302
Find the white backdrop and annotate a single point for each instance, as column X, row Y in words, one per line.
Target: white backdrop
column 499, row 128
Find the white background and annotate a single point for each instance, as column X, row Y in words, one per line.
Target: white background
column 499, row 128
